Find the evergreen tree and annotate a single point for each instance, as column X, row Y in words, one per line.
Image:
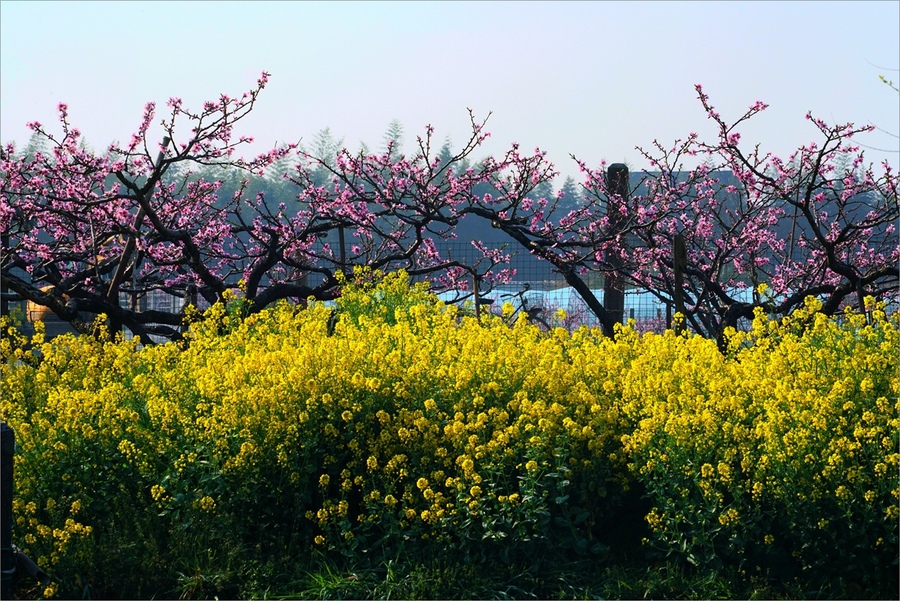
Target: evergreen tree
column 392, row 141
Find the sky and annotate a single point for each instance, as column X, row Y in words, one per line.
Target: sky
column 593, row 79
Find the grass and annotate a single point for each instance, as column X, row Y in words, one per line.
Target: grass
column 449, row 578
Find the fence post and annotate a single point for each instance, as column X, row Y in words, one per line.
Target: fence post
column 4, row 303
column 679, row 264
column 8, row 559
column 613, row 286
column 475, row 289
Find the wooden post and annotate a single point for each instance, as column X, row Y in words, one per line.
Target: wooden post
column 477, row 293
column 679, row 264
column 861, row 299
column 7, row 555
column 613, row 286
column 4, row 303
column 11, row 559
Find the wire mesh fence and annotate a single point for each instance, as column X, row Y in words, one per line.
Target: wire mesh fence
column 534, row 286
column 537, row 285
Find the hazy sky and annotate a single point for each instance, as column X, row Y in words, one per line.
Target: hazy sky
column 594, row 79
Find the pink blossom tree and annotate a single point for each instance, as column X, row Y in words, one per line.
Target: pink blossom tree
column 81, row 229
column 388, row 210
column 819, row 223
